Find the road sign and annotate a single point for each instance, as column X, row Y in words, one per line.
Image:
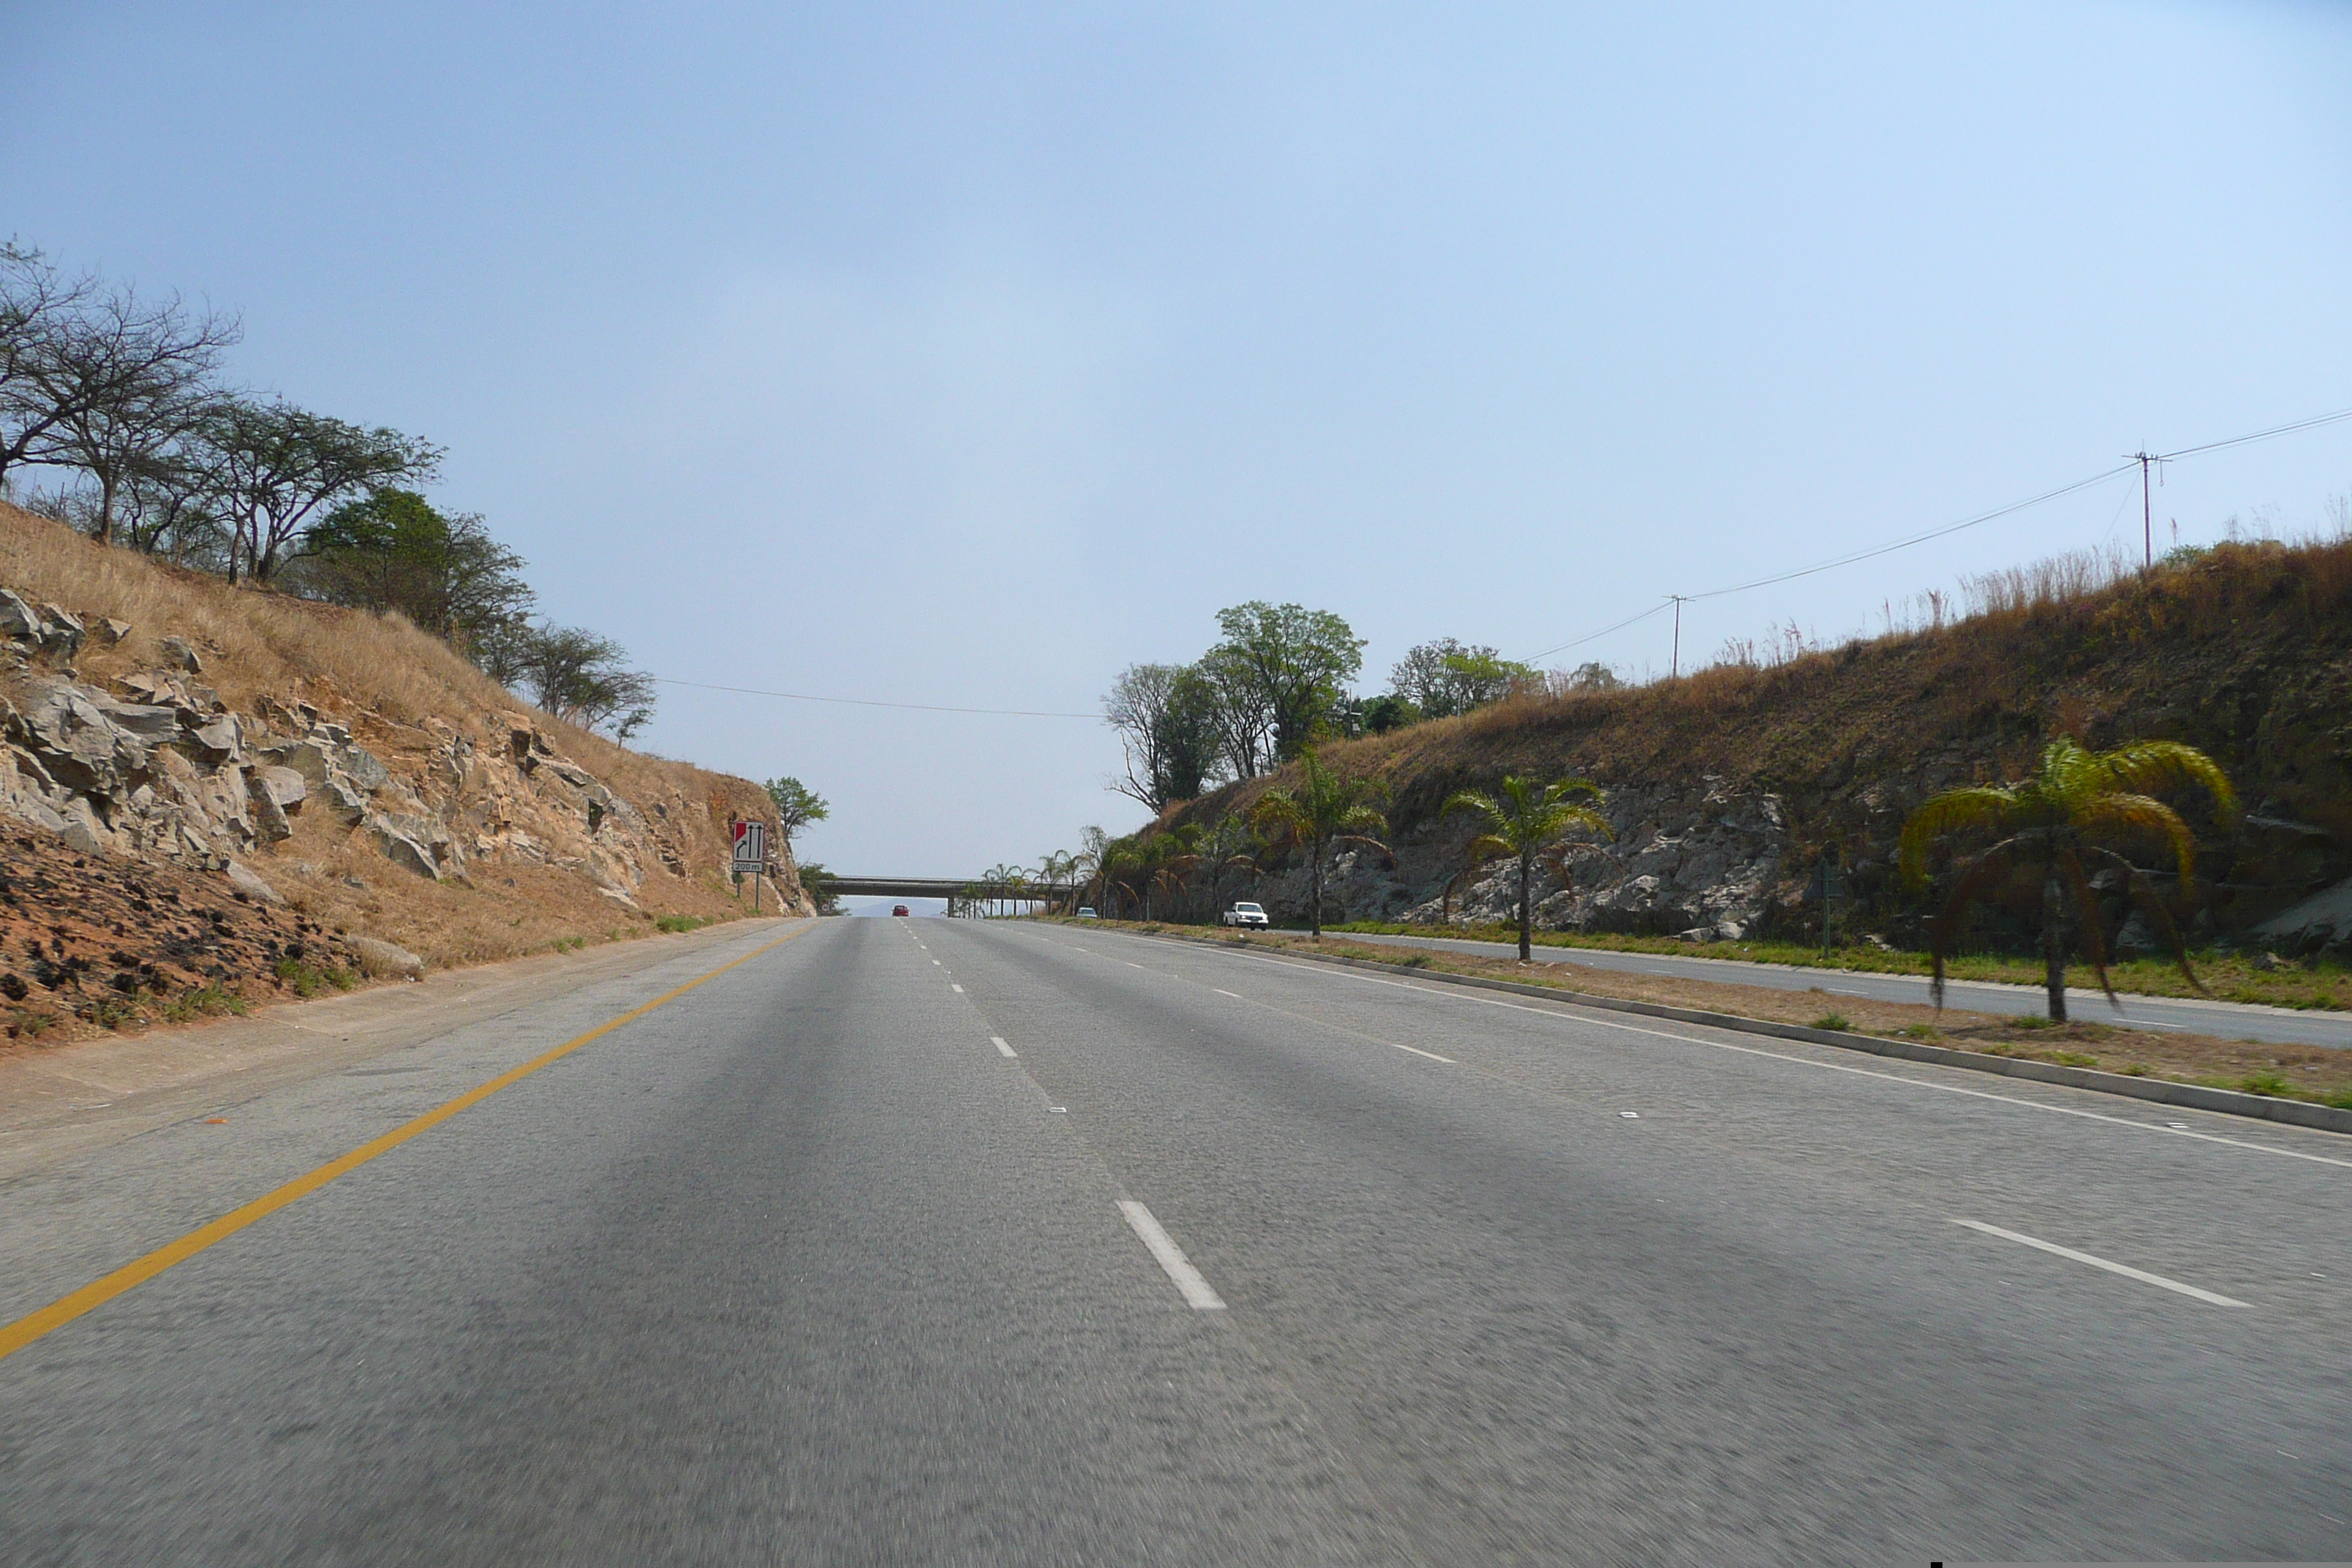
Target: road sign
column 751, row 848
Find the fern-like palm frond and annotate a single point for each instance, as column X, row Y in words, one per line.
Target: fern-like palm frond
column 1470, row 799
column 2145, row 767
column 1488, row 847
column 2137, row 815
column 1985, row 806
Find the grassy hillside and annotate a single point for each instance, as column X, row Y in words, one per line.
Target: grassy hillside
column 521, row 833
column 2245, row 652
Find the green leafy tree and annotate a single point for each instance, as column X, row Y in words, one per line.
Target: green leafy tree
column 1388, row 711
column 1443, row 677
column 1324, row 810
column 1166, row 716
column 1292, row 663
column 817, row 883
column 2076, row 808
column 392, row 549
column 796, row 805
column 1526, row 821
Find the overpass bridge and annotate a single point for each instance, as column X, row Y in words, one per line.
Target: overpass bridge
column 963, row 894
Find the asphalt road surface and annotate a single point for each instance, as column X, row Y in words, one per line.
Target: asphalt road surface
column 2229, row 1020
column 951, row 1242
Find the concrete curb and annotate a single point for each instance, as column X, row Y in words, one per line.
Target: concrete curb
column 2193, row 1097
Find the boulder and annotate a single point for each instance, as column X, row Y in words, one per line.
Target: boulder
column 309, row 758
column 64, row 633
column 247, row 881
column 387, row 961
column 110, row 631
column 2323, row 919
column 401, row 848
column 181, row 654
column 78, row 744
column 150, row 723
column 217, row 741
column 269, row 822
column 361, row 764
column 19, row 621
column 343, row 799
column 283, row 786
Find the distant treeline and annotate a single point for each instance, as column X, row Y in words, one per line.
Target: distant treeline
column 121, row 400
column 1276, row 683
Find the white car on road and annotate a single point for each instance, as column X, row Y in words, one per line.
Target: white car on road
column 1244, row 915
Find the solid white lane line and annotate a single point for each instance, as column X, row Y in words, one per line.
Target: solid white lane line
column 1000, row 1046
column 1196, row 1291
column 957, row 989
column 1449, row 993
column 2124, row 1269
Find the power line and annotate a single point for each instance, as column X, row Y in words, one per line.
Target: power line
column 1591, row 637
column 870, row 702
column 2340, row 413
column 2141, row 460
column 1858, row 555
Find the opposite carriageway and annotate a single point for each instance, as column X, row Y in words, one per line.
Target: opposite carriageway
column 961, row 893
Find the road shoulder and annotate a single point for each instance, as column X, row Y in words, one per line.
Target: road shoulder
column 76, row 1098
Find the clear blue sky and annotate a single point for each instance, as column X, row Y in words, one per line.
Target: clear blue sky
column 964, row 355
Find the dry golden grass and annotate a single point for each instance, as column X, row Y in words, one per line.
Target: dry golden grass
column 390, row 680
column 2246, row 653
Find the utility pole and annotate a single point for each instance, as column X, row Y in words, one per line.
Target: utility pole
column 2146, row 511
column 1676, row 668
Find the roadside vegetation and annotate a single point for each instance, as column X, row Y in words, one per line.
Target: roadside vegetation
column 2324, row 984
column 120, row 404
column 2133, row 767
column 2314, row 1073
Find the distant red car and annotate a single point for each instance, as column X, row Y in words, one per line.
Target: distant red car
column 897, row 909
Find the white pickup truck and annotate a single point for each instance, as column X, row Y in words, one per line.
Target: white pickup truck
column 1244, row 915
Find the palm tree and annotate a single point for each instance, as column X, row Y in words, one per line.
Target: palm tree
column 1229, row 843
column 1526, row 822
column 1325, row 809
column 1058, row 869
column 2076, row 804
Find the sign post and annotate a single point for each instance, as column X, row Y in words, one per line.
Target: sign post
column 751, row 854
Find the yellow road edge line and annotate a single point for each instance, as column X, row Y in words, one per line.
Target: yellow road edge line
column 97, row 1292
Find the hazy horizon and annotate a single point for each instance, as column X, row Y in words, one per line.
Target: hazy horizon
column 963, row 359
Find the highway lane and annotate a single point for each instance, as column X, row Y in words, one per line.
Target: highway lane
column 2229, row 1020
column 826, row 1261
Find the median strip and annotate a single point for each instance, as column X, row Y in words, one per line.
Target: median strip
column 16, row 1336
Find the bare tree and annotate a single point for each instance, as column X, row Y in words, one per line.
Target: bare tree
column 37, row 305
column 105, row 382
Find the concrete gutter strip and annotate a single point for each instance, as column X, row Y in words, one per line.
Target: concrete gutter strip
column 2163, row 1091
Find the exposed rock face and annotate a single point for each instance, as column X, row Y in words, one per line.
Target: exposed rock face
column 1710, row 863
column 161, row 770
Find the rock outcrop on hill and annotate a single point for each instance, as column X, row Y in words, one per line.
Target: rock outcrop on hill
column 161, row 839
column 1728, row 790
